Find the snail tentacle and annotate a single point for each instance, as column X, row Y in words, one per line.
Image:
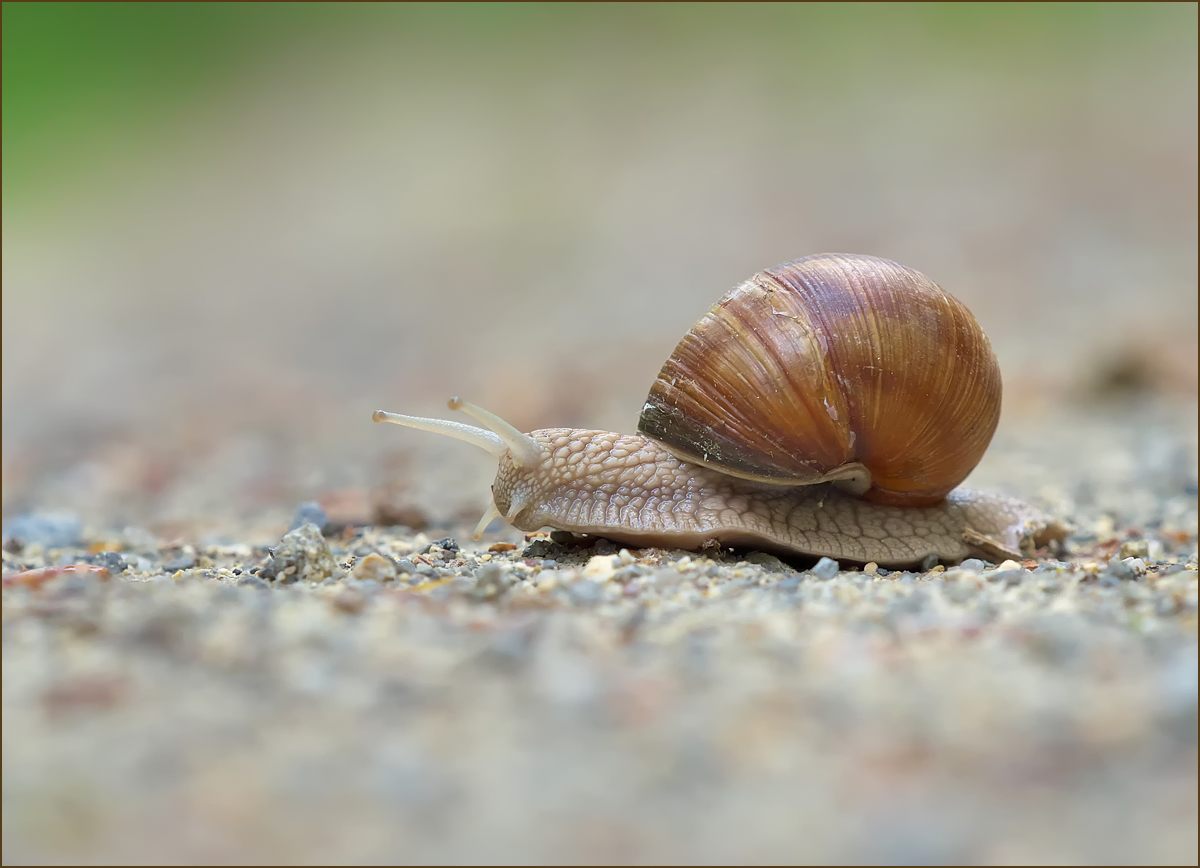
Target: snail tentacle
column 467, row 433
column 524, row 449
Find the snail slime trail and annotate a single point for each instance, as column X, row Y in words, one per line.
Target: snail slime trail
column 882, row 394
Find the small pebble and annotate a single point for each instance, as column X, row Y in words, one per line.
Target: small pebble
column 770, row 562
column 309, row 512
column 48, row 529
column 183, row 562
column 975, row 565
column 586, row 593
column 1007, row 577
column 375, row 567
column 112, row 561
column 490, row 581
column 600, row 568
column 1121, row 570
column 446, row 544
column 826, row 568
column 302, row 554
column 1139, row 548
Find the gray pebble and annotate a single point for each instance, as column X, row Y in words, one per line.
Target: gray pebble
column 1008, row 577
column 301, row 554
column 930, row 561
column 826, row 568
column 309, row 512
column 489, row 581
column 49, row 529
column 405, row 566
column 959, row 592
column 1118, row 570
column 586, row 593
column 975, row 565
column 183, row 562
column 605, row 547
column 253, row 582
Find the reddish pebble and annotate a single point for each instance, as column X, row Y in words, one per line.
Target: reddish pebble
column 501, row 547
column 37, row 578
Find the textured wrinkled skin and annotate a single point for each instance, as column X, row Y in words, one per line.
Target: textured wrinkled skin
column 630, row 489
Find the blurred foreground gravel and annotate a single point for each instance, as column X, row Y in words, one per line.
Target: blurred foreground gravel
column 376, row 695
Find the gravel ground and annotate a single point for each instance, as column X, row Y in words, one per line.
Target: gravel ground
column 379, row 695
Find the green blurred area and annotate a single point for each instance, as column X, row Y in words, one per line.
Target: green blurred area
column 86, row 82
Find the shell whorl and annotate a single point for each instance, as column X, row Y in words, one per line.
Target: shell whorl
column 831, row 362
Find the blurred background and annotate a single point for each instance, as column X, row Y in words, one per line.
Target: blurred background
column 231, row 231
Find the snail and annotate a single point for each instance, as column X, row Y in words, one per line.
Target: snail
column 826, row 407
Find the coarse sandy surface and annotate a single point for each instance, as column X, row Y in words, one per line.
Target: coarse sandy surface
column 394, row 699
column 527, row 205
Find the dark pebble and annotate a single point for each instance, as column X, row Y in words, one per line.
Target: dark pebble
column 405, row 566
column 446, row 545
column 50, row 529
column 605, row 547
column 184, row 562
column 111, row 561
column 541, row 548
column 309, row 512
column 766, row 561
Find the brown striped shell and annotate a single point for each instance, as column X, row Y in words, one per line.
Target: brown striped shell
column 815, row 369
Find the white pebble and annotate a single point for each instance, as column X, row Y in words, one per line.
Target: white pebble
column 600, row 568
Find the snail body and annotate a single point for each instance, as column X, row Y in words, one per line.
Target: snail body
column 826, row 407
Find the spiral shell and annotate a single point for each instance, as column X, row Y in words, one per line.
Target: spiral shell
column 815, row 369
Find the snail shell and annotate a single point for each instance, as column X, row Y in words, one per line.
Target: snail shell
column 834, row 367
